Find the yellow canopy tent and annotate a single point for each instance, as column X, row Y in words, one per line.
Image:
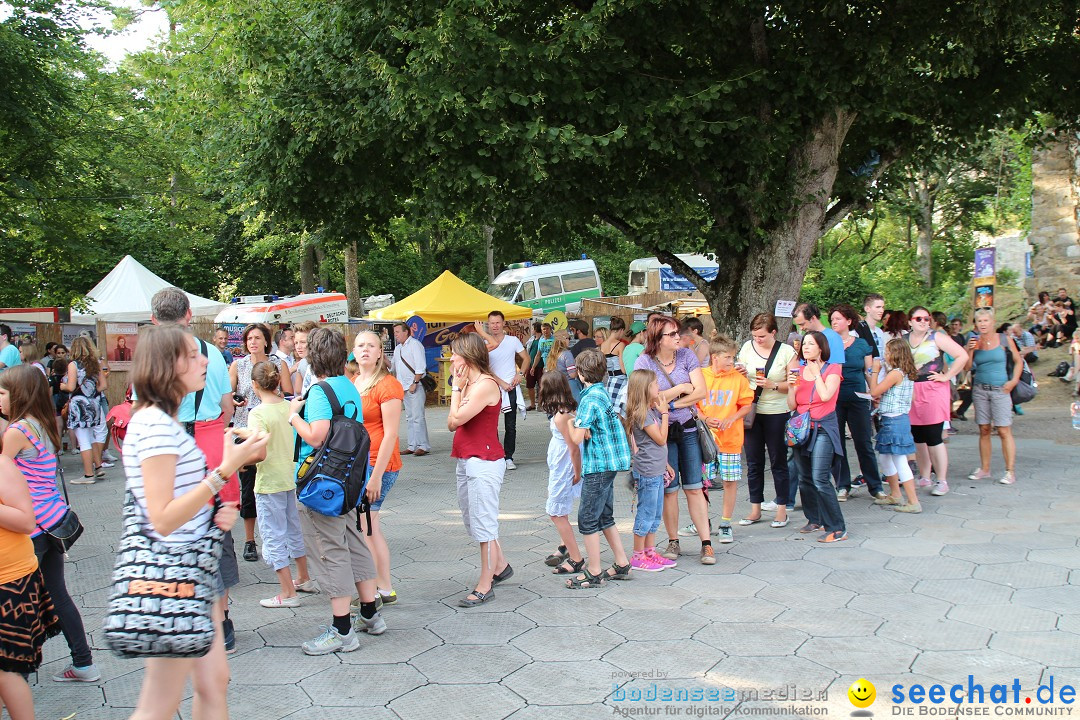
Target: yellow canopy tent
column 447, row 298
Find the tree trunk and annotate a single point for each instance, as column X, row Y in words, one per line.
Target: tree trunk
column 352, row 282
column 924, row 225
column 321, row 267
column 307, row 264
column 752, row 279
column 489, row 252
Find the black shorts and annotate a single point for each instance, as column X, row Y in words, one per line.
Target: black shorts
column 247, row 492
column 930, row 435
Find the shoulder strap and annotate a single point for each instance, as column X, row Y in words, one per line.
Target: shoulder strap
column 662, row 370
column 199, row 392
column 402, row 358
column 331, row 396
column 768, row 366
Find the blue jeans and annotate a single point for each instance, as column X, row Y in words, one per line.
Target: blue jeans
column 684, row 456
column 596, row 511
column 650, row 504
column 855, row 414
column 818, row 496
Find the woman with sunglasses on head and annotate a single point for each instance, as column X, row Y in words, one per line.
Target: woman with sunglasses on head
column 931, row 403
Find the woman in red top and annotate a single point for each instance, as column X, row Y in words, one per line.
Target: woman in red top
column 382, row 398
column 817, row 387
column 475, row 406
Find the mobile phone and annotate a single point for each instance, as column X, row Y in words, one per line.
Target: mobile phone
column 239, row 398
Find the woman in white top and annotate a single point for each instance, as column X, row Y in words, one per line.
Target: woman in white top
column 166, row 473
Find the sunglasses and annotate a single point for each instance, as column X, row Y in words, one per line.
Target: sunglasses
column 920, row 319
column 673, row 333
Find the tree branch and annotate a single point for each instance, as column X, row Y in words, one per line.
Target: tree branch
column 845, row 205
column 679, row 265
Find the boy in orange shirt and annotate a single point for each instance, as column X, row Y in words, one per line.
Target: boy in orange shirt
column 728, row 399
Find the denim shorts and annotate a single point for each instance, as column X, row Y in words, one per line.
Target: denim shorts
column 684, row 456
column 650, row 504
column 388, row 480
column 596, row 511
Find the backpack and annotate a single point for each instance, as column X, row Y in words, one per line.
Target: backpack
column 332, row 479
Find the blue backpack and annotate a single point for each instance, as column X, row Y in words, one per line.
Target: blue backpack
column 332, row 479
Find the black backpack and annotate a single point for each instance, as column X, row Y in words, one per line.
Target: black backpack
column 332, row 479
column 1061, row 370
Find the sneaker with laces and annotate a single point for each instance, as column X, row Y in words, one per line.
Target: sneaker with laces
column 688, row 531
column 660, row 559
column 671, row 552
column 1008, row 478
column 916, row 508
column 940, row 488
column 106, row 464
column 858, row 481
column 331, row 641
column 708, row 557
column 641, row 561
column 375, row 625
column 251, row 552
column 107, row 455
column 979, row 474
column 510, row 464
column 87, row 674
column 725, row 534
column 923, row 482
column 84, row 480
column 281, row 602
column 843, row 494
column 388, row 597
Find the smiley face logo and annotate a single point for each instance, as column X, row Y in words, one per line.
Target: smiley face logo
column 862, row 693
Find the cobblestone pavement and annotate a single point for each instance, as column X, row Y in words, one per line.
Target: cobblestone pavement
column 986, row 581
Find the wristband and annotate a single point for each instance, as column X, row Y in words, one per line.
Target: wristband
column 455, row 389
column 294, row 415
column 214, row 481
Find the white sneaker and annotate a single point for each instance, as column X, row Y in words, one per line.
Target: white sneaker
column 329, row 641
column 106, row 464
column 688, row 531
column 510, row 464
column 107, row 455
column 281, row 602
column 940, row 488
column 768, row 506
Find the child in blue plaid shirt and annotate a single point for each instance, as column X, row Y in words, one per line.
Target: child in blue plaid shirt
column 605, row 451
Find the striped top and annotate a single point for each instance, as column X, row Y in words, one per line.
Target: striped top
column 38, row 466
column 151, row 433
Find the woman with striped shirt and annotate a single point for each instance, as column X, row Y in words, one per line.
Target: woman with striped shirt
column 31, row 441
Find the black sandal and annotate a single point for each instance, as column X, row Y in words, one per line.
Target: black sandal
column 557, row 557
column 575, row 567
column 506, row 574
column 588, row 581
column 622, row 572
column 481, row 598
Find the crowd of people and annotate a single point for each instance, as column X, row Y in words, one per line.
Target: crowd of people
column 213, row 438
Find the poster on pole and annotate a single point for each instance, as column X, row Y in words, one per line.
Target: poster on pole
column 984, row 294
column 120, row 342
column 985, row 263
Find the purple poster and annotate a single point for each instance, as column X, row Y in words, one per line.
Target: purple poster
column 984, row 262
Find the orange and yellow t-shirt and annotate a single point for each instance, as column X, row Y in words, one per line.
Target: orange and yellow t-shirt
column 725, row 393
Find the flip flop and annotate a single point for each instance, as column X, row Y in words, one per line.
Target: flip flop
column 749, row 521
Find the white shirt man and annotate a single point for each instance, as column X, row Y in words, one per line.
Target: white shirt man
column 285, row 348
column 505, row 355
column 409, row 364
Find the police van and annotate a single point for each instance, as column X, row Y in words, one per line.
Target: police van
column 554, row 286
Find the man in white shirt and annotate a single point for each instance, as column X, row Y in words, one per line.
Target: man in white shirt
column 505, row 355
column 285, row 347
column 409, row 364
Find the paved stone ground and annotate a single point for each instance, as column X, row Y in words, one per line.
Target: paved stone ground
column 986, row 580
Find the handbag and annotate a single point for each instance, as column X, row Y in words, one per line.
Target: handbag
column 1025, row 390
column 162, row 593
column 427, row 382
column 748, row 419
column 798, row 430
column 63, row 534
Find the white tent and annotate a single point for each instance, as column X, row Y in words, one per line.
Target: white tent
column 124, row 296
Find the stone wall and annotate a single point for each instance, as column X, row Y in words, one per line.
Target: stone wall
column 1055, row 217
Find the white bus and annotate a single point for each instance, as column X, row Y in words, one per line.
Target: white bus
column 651, row 275
column 555, row 286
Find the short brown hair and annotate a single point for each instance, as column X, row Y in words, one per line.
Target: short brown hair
column 471, row 348
column 723, row 344
column 591, row 366
column 261, row 328
column 764, row 321
column 305, row 327
column 847, row 312
column 326, row 353
column 155, row 372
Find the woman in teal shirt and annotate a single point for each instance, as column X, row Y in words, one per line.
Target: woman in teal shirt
column 991, row 389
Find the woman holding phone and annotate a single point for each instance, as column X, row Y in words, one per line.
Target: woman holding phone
column 816, row 387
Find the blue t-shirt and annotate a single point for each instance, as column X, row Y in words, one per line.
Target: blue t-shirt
column 217, row 384
column 836, row 346
column 10, row 356
column 990, row 368
column 317, row 407
column 854, row 379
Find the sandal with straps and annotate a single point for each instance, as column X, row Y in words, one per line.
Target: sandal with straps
column 557, row 557
column 587, row 581
column 575, row 567
column 622, row 572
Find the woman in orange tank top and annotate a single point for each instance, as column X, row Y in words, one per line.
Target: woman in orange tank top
column 32, row 619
